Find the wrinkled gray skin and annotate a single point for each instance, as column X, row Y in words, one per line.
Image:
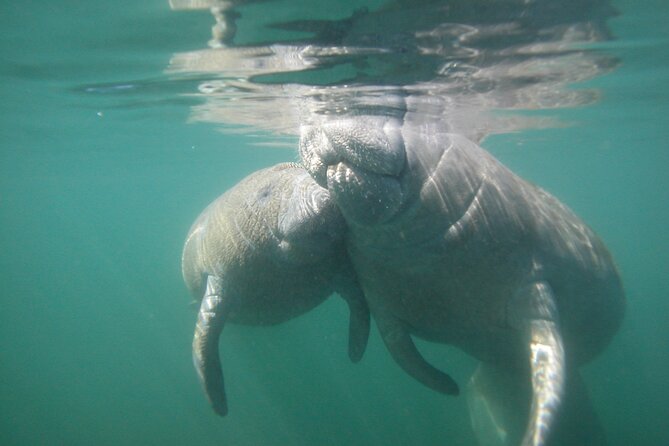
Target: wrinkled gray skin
column 452, row 247
column 268, row 250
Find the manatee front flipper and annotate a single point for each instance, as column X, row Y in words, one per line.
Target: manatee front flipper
column 533, row 312
column 358, row 328
column 210, row 321
column 403, row 350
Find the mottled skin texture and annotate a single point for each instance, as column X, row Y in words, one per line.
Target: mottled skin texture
column 451, row 246
column 266, row 251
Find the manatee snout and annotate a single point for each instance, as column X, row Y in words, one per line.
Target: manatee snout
column 360, row 161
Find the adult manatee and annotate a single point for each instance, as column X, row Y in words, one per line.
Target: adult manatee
column 268, row 250
column 451, row 246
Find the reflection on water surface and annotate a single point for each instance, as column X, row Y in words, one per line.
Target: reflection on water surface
column 464, row 64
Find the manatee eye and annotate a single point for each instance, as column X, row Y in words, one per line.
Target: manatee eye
column 264, row 194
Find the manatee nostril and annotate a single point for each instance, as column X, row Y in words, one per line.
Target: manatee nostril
column 364, row 197
column 373, row 143
column 360, row 160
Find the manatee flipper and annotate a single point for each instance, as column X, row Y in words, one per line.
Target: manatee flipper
column 210, row 321
column 578, row 423
column 358, row 328
column 403, row 350
column 498, row 399
column 533, row 311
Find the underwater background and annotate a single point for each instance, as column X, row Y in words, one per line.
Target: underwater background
column 106, row 158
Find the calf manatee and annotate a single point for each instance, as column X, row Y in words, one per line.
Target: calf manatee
column 266, row 251
column 450, row 246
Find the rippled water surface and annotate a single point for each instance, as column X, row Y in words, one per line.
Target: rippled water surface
column 120, row 121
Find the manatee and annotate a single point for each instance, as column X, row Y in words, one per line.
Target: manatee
column 266, row 251
column 452, row 247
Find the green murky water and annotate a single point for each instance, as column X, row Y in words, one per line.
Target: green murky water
column 102, row 170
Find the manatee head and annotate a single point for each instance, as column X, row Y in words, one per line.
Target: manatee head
column 309, row 227
column 360, row 160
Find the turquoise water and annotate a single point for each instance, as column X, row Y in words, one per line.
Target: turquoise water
column 104, row 165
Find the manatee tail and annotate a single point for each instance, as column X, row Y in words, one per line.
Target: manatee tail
column 547, row 364
column 210, row 322
column 507, row 408
column 554, row 414
column 499, row 400
column 578, row 423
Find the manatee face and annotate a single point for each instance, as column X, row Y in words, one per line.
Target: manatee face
column 309, row 226
column 360, row 161
column 379, row 169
